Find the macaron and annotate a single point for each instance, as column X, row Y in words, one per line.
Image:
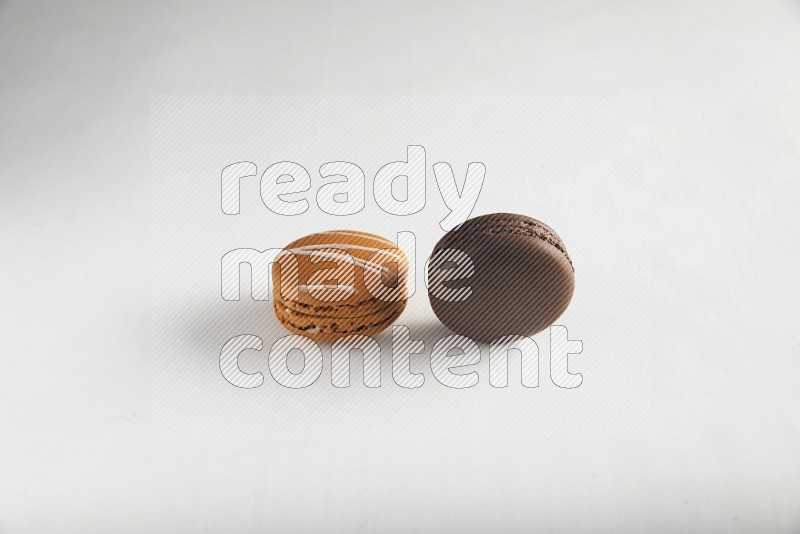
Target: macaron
column 522, row 277
column 347, row 282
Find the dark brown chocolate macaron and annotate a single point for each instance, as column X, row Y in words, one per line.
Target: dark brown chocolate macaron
column 523, row 278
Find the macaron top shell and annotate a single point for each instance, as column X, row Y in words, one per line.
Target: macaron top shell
column 523, row 277
column 327, row 275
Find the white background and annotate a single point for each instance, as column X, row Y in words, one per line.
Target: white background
column 579, row 163
column 713, row 448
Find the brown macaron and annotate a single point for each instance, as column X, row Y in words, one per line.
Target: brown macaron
column 344, row 282
column 523, row 278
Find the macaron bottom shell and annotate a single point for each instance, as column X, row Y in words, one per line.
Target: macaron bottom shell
column 330, row 328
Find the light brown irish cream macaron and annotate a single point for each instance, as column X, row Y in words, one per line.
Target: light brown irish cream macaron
column 337, row 283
